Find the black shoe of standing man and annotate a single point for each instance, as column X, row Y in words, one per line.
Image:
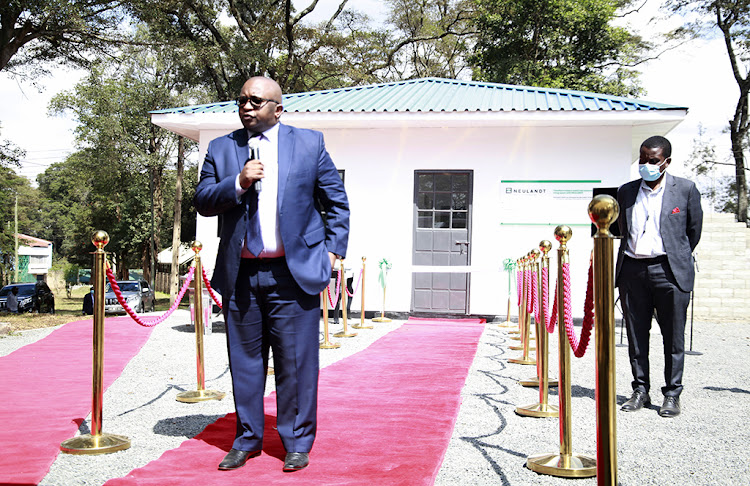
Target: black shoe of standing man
column 670, row 408
column 295, row 461
column 236, row 459
column 637, row 401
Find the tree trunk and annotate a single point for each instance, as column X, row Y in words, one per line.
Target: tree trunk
column 174, row 282
column 740, row 176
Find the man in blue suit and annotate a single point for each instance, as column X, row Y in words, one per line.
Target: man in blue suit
column 268, row 183
column 661, row 221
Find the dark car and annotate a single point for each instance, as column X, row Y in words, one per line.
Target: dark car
column 30, row 297
column 137, row 294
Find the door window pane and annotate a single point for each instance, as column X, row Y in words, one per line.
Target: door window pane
column 424, row 220
column 425, row 182
column 425, row 200
column 459, row 201
column 442, row 219
column 459, row 220
column 443, row 182
column 460, row 182
column 442, row 201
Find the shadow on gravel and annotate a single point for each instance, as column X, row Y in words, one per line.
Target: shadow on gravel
column 733, row 390
column 187, row 426
column 217, row 327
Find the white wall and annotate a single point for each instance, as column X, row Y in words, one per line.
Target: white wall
column 380, row 165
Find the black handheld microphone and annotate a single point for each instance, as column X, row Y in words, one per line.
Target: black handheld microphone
column 254, row 146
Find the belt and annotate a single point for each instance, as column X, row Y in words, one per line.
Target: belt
column 649, row 261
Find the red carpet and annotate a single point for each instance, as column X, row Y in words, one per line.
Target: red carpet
column 47, row 392
column 385, row 417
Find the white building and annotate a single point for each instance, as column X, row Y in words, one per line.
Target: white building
column 447, row 179
column 35, row 256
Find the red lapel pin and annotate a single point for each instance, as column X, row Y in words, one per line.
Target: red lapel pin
column 675, row 210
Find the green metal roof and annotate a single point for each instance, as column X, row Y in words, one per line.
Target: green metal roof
column 442, row 95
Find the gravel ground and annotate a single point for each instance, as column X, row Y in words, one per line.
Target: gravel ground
column 706, row 445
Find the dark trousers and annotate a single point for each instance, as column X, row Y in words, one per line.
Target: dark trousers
column 269, row 310
column 645, row 286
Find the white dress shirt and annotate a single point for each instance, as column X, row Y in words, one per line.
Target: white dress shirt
column 645, row 227
column 268, row 153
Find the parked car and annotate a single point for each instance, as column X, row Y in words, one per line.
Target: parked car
column 137, row 293
column 31, row 296
column 25, row 297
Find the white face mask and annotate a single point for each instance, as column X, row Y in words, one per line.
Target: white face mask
column 650, row 172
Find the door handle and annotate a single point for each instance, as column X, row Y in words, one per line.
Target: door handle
column 464, row 245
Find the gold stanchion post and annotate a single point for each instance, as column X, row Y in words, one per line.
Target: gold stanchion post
column 97, row 442
column 541, row 327
column 525, row 359
column 566, row 464
column 361, row 324
column 543, row 408
column 326, row 344
column 525, row 336
column 200, row 394
column 603, row 210
column 342, row 289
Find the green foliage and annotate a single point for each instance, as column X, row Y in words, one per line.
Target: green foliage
column 36, row 32
column 569, row 44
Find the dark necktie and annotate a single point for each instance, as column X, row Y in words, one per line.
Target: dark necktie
column 253, row 237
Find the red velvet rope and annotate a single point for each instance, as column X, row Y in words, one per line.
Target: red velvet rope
column 208, row 287
column 529, row 297
column 356, row 289
column 518, row 286
column 338, row 290
column 578, row 346
column 132, row 314
column 553, row 315
column 535, row 295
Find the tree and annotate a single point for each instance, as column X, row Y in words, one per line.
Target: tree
column 123, row 156
column 432, row 37
column 33, row 32
column 732, row 19
column 569, row 44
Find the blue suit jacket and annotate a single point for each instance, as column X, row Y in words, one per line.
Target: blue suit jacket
column 308, row 183
column 681, row 225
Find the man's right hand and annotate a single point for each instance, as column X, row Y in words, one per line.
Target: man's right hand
column 253, row 171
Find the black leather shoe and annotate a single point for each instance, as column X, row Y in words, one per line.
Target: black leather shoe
column 670, row 407
column 236, row 459
column 637, row 401
column 295, row 461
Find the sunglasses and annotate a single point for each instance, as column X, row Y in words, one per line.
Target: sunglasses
column 255, row 101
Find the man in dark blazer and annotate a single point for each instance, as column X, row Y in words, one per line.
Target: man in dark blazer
column 268, row 183
column 660, row 220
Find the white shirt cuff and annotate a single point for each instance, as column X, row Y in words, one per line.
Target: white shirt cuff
column 238, row 190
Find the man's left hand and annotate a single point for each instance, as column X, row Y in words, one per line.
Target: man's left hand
column 333, row 257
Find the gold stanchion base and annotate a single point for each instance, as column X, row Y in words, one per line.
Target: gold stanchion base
column 330, row 345
column 361, row 326
column 270, row 371
column 527, row 361
column 507, row 324
column 95, row 444
column 194, row 396
column 345, row 334
column 520, row 348
column 517, row 337
column 538, row 410
column 380, row 319
column 534, row 382
column 563, row 465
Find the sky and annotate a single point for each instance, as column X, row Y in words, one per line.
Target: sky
column 696, row 75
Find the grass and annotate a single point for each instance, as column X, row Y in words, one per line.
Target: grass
column 67, row 310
